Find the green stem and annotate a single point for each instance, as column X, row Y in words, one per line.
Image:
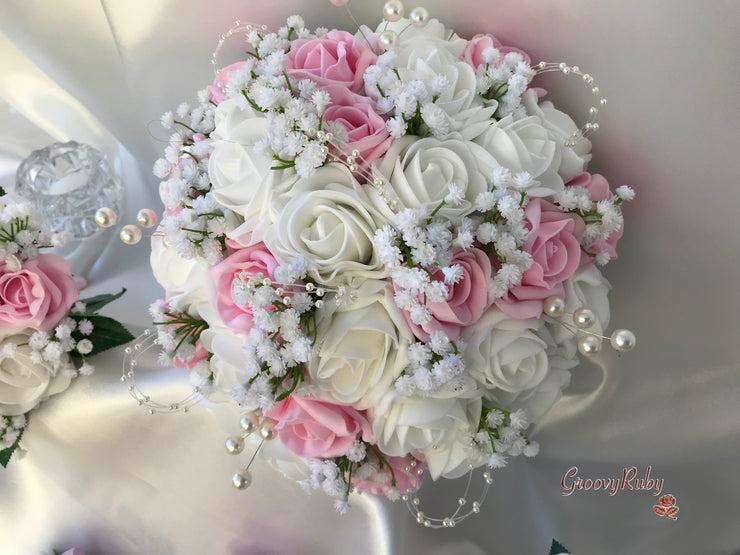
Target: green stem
column 185, row 126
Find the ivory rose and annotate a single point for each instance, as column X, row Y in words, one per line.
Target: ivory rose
column 250, row 261
column 334, row 58
column 467, row 301
column 554, row 242
column 405, row 425
column 329, row 222
column 505, row 353
column 37, row 295
column 24, row 382
column 364, row 349
column 318, row 429
column 420, row 170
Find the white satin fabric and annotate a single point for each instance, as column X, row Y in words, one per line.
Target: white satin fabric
column 103, row 475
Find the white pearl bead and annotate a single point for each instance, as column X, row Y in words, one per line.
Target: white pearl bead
column 339, row 3
column 387, row 40
column 242, row 480
column 623, row 340
column 248, row 424
column 419, row 17
column 130, row 234
column 553, row 306
column 589, row 345
column 393, row 10
column 105, row 217
column 267, row 430
column 146, row 218
column 584, row 317
column 234, row 445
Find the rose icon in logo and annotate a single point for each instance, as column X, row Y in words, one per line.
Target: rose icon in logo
column 667, row 507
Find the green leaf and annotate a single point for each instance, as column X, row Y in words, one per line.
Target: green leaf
column 93, row 304
column 107, row 333
column 5, row 454
column 556, row 548
column 2, row 192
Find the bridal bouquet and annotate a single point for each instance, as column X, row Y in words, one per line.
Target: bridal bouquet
column 383, row 248
column 46, row 332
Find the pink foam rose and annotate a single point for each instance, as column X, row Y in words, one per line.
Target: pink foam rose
column 250, row 260
column 366, row 129
column 406, row 480
column 216, row 91
column 39, row 294
column 466, row 302
column 313, row 428
column 336, row 58
column 554, row 243
column 598, row 189
column 473, row 53
column 200, row 355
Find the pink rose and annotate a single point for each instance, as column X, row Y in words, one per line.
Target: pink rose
column 200, row 355
column 313, row 428
column 554, row 241
column 250, row 260
column 366, row 129
column 466, row 301
column 407, row 477
column 598, row 189
column 216, row 91
column 333, row 59
column 473, row 53
column 39, row 294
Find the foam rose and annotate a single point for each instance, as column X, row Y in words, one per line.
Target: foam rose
column 366, row 129
column 314, row 428
column 25, row 383
column 407, row 477
column 39, row 294
column 467, row 301
column 554, row 242
column 473, row 53
column 505, row 353
column 216, row 91
column 598, row 189
column 334, row 58
column 363, row 349
column 250, row 260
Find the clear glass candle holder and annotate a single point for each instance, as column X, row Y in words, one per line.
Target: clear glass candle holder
column 68, row 182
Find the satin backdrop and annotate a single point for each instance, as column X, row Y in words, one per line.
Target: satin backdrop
column 103, row 475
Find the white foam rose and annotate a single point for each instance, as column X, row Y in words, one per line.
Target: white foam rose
column 330, row 222
column 560, row 127
column 419, row 172
column 187, row 282
column 505, row 353
column 363, row 349
column 525, row 145
column 240, row 176
column 433, row 426
column 25, row 383
column 420, row 42
column 536, row 401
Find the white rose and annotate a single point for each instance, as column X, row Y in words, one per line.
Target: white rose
column 419, row 172
column 186, row 282
column 228, row 362
column 363, row 349
column 431, row 426
column 330, row 222
column 417, row 43
column 524, row 145
column 536, row 401
column 560, row 127
column 505, row 353
column 25, row 383
column 237, row 173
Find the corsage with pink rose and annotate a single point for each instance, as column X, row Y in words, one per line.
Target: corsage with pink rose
column 385, row 249
column 47, row 333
